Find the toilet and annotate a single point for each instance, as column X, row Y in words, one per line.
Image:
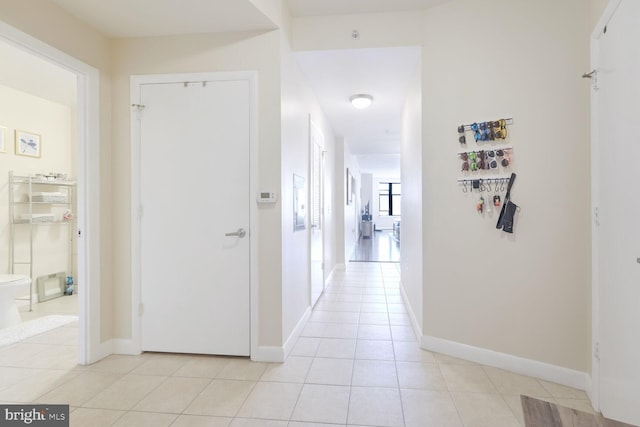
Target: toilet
column 11, row 285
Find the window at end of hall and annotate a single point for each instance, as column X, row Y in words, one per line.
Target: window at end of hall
column 389, row 194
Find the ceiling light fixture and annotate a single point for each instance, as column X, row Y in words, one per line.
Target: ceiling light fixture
column 361, row 100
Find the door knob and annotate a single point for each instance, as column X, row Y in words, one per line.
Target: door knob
column 240, row 233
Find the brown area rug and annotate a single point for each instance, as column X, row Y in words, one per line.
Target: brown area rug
column 538, row 413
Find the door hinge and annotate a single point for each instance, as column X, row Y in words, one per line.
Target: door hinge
column 140, row 309
column 138, row 109
column 596, row 216
column 140, row 212
column 593, row 75
column 596, row 351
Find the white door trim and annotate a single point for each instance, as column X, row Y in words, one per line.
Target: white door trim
column 90, row 348
column 136, row 82
column 314, row 128
column 594, row 390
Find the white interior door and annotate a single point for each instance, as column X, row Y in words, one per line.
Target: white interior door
column 618, row 117
column 195, row 278
column 316, row 203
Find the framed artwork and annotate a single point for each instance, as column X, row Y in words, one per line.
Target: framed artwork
column 28, row 144
column 299, row 203
column 3, row 139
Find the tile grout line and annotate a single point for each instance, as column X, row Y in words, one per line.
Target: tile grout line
column 502, row 395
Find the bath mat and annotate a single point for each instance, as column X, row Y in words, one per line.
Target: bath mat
column 16, row 333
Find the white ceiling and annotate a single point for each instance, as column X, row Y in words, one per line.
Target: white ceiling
column 347, row 7
column 146, row 18
column 28, row 73
column 334, row 75
column 383, row 73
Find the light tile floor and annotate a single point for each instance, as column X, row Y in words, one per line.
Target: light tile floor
column 357, row 363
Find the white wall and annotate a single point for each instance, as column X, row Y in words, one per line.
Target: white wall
column 351, row 212
column 295, row 155
column 53, row 122
column 331, row 224
column 412, row 231
column 525, row 294
column 298, row 104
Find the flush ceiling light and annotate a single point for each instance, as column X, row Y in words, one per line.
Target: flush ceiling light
column 361, row 100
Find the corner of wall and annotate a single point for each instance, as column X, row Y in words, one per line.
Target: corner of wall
column 508, row 362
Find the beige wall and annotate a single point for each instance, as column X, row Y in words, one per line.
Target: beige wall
column 597, row 9
column 525, row 294
column 217, row 52
column 202, row 53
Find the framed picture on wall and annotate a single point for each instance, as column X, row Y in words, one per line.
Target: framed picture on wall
column 349, row 188
column 3, row 139
column 28, row 144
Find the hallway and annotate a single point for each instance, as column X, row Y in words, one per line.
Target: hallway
column 357, row 363
column 380, row 247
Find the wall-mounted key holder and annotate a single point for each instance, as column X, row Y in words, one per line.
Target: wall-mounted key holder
column 485, row 159
column 491, row 130
column 489, row 184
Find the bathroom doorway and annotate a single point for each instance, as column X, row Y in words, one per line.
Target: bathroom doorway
column 83, row 152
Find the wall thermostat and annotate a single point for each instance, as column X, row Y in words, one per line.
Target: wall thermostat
column 266, row 197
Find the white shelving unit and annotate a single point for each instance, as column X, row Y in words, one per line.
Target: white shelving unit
column 44, row 211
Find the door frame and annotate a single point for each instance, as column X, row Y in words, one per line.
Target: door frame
column 594, row 389
column 136, row 82
column 90, row 347
column 313, row 125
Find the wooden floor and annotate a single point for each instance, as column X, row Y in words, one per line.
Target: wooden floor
column 538, row 413
column 380, row 247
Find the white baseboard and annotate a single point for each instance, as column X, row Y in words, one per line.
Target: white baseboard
column 113, row 346
column 100, row 352
column 127, row 346
column 268, row 354
column 417, row 328
column 277, row 354
column 592, row 393
column 508, row 362
column 124, row 346
column 297, row 331
column 330, row 277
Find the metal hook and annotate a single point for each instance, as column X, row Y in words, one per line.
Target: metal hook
column 497, row 186
column 502, row 183
column 464, row 186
